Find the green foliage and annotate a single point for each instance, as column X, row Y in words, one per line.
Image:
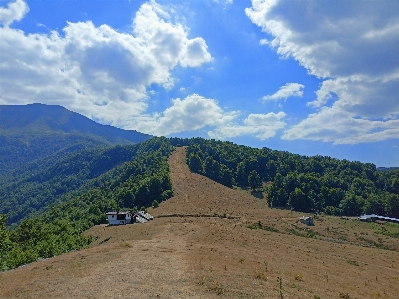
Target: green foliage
column 331, row 210
column 226, row 176
column 392, row 205
column 195, row 163
column 138, row 176
column 155, row 204
column 254, row 180
column 299, row 201
column 211, row 168
column 6, row 245
column 352, row 204
column 353, row 263
column 258, row 225
column 308, row 184
column 395, row 183
column 76, row 173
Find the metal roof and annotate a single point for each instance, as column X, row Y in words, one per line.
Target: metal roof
column 116, row 213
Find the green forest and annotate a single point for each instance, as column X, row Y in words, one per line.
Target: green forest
column 301, row 183
column 46, row 204
column 73, row 195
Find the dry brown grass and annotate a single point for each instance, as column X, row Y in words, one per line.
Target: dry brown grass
column 211, row 257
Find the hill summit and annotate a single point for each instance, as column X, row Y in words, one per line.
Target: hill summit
column 41, row 119
column 30, row 132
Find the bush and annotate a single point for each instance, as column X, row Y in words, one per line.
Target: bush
column 155, row 204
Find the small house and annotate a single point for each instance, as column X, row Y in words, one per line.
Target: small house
column 119, row 218
column 306, row 220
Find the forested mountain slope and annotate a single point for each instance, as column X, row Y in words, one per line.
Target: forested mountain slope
column 308, row 184
column 29, row 132
column 73, row 174
column 75, row 194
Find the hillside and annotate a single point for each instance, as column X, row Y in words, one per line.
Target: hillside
column 74, row 194
column 30, row 132
column 70, row 176
column 180, row 255
column 308, row 184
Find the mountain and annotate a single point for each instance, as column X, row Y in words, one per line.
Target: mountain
column 35, row 131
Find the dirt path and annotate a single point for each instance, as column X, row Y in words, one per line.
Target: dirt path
column 209, row 257
column 146, row 268
column 196, row 194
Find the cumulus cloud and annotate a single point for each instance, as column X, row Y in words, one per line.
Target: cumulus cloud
column 196, row 112
column 15, row 11
column 352, row 45
column 340, row 127
column 96, row 71
column 262, row 126
column 191, row 113
column 285, row 92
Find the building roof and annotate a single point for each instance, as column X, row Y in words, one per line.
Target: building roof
column 374, row 216
column 116, row 213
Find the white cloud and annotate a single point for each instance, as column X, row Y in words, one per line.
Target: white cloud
column 262, row 126
column 15, row 11
column 196, row 112
column 340, row 127
column 107, row 75
column 96, row 71
column 225, row 2
column 192, row 113
column 353, row 46
column 286, row 91
column 195, row 53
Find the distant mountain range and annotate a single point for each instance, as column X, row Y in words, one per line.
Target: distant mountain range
column 36, row 131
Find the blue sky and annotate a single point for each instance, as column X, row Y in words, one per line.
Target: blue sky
column 309, row 77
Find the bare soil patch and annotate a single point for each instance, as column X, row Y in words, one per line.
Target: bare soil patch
column 215, row 257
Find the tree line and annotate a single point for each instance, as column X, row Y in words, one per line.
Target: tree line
column 301, row 183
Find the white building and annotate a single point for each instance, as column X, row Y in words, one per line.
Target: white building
column 118, row 218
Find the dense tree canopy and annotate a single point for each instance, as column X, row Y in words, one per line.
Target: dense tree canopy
column 308, row 184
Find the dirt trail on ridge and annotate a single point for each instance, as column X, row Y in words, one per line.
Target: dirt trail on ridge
column 210, row 257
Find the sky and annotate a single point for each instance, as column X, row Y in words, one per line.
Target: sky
column 309, row 77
